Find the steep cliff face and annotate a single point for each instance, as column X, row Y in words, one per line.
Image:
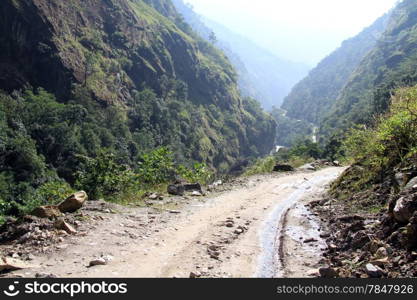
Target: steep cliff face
column 117, row 48
column 28, row 54
column 47, row 38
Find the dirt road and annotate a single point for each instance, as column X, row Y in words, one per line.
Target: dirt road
column 232, row 234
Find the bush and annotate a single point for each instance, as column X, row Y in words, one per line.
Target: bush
column 50, row 193
column 261, row 166
column 198, row 173
column 103, row 176
column 392, row 139
column 375, row 152
column 156, row 167
column 306, row 149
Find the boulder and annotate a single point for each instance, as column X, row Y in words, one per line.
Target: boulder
column 405, row 208
column 98, row 262
column 381, row 253
column 400, row 179
column 195, row 274
column 336, row 163
column 283, row 168
column 239, row 231
column 308, row 167
column 411, row 184
column 62, row 225
column 73, row 202
column 176, row 189
column 193, row 187
column 48, row 211
column 218, row 183
column 153, row 196
column 196, row 194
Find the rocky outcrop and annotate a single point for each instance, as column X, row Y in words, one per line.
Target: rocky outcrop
column 369, row 245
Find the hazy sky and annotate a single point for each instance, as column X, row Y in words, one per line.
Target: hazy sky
column 298, row 30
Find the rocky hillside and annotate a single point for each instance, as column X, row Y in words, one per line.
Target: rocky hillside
column 371, row 209
column 116, row 47
column 124, row 77
column 262, row 75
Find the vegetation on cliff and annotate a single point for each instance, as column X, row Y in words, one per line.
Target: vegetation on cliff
column 379, row 153
column 93, row 90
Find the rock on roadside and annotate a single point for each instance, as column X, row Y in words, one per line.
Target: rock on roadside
column 73, row 202
column 47, row 211
column 12, row 264
column 176, row 189
column 62, row 225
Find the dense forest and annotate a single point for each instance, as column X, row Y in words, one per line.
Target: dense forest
column 108, row 95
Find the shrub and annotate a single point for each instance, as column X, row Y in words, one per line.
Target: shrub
column 198, row 173
column 392, row 139
column 261, row 165
column 156, row 167
column 49, row 193
column 103, row 176
column 377, row 151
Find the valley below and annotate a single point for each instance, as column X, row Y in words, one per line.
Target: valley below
column 258, row 226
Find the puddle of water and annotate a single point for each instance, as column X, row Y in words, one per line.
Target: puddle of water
column 311, row 229
column 269, row 262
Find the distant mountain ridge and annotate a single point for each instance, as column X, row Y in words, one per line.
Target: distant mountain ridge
column 392, row 63
column 356, row 82
column 313, row 96
column 262, row 75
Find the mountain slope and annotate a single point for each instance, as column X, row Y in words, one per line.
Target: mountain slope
column 262, row 75
column 80, row 78
column 313, row 97
column 391, row 64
